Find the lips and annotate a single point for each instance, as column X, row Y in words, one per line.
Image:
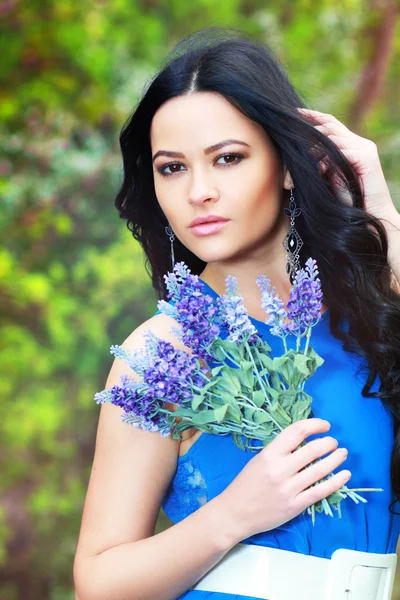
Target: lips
column 208, row 219
column 207, row 225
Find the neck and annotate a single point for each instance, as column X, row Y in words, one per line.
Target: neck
column 272, row 265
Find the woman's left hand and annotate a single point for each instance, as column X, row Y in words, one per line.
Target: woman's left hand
column 363, row 156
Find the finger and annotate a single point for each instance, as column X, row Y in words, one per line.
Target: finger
column 320, row 469
column 331, row 129
column 324, row 119
column 322, row 490
column 318, row 115
column 290, row 438
column 336, row 139
column 322, row 166
column 305, row 455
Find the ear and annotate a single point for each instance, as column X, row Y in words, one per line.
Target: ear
column 287, row 179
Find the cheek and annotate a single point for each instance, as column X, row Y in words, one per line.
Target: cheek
column 169, row 194
column 263, row 201
column 164, row 199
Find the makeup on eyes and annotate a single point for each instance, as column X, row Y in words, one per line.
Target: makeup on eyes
column 238, row 158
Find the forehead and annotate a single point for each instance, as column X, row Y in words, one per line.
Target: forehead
column 200, row 117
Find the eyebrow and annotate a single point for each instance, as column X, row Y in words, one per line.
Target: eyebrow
column 208, row 150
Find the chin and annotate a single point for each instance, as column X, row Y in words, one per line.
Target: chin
column 213, row 257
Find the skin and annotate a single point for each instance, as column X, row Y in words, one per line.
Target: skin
column 248, row 190
column 273, row 487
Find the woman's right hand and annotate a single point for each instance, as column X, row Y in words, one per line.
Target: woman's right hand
column 272, row 488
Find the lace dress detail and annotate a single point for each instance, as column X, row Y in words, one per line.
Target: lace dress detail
column 364, row 426
column 187, row 492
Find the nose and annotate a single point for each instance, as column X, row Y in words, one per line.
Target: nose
column 202, row 190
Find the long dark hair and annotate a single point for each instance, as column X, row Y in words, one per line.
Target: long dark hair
column 349, row 245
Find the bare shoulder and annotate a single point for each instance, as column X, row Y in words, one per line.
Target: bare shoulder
column 161, row 325
column 131, row 468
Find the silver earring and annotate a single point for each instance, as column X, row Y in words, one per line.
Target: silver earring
column 292, row 241
column 171, row 235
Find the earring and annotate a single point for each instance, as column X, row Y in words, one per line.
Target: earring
column 292, row 241
column 171, row 235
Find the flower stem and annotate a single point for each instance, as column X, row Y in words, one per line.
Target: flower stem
column 229, row 357
column 308, row 335
column 260, row 381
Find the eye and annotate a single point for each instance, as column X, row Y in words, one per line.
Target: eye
column 174, row 168
column 230, row 159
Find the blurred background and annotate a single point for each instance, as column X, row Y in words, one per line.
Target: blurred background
column 72, row 280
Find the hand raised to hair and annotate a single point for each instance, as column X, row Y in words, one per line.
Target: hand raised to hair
column 363, row 156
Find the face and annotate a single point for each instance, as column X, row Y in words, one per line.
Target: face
column 217, row 178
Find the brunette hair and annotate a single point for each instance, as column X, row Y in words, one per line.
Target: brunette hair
column 349, row 245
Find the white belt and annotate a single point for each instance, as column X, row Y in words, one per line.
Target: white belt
column 273, row 574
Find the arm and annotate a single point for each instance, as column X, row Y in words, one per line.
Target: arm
column 364, row 157
column 118, row 556
column 163, row 566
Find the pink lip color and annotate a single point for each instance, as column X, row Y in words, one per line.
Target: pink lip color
column 208, row 228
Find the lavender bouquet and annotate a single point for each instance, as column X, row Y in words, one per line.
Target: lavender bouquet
column 228, row 382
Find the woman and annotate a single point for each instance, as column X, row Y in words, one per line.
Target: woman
column 214, row 152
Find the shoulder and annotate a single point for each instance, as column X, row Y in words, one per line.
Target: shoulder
column 131, row 470
column 161, row 325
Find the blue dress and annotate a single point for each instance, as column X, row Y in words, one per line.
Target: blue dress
column 362, row 425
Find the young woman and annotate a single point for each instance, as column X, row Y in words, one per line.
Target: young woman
column 216, row 150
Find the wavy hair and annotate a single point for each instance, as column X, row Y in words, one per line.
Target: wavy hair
column 349, row 245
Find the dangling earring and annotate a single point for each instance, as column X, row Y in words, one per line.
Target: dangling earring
column 171, row 235
column 292, row 241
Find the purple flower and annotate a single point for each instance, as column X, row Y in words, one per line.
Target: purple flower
column 194, row 310
column 305, row 302
column 233, row 314
column 273, row 306
column 138, row 361
column 168, row 375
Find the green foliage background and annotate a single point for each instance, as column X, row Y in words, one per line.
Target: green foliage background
column 72, row 280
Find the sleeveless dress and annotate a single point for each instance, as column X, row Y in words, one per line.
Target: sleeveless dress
column 362, row 425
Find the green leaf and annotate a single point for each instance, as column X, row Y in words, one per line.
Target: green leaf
column 258, row 398
column 219, row 413
column 287, row 398
column 184, row 413
column 279, row 361
column 264, row 348
column 215, row 415
column 249, row 412
column 318, row 359
column 216, row 370
column 234, row 411
column 218, row 353
column 246, row 365
column 275, row 381
column 266, row 361
column 198, row 399
column 235, row 414
column 269, row 430
column 273, row 394
column 281, row 415
column 233, row 378
column 223, row 396
column 301, row 410
column 246, row 375
column 262, row 417
column 301, row 363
